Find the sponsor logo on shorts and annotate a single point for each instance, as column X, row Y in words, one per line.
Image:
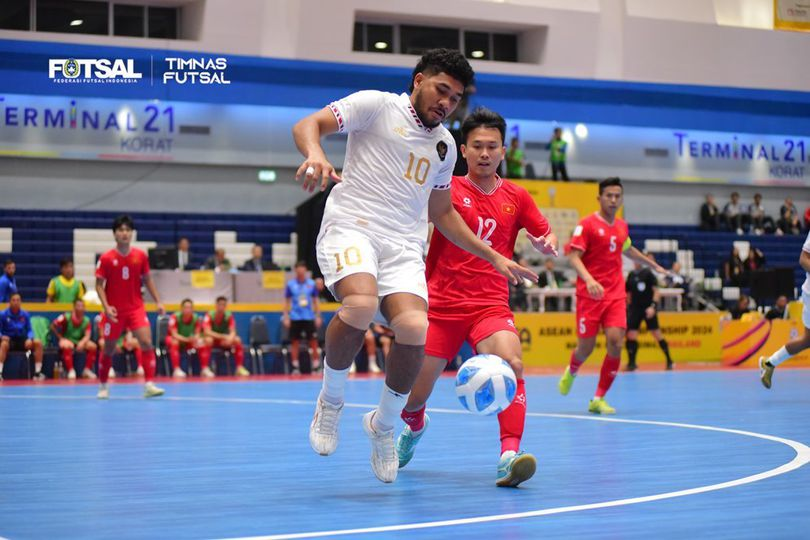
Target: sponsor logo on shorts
column 511, row 323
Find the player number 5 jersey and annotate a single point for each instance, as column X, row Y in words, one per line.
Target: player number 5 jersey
column 602, row 245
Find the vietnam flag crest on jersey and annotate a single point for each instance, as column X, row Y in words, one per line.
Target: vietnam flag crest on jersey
column 508, row 209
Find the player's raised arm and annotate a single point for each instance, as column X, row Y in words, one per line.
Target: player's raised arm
column 307, row 134
column 452, row 226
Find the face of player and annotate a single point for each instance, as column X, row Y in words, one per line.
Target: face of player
column 434, row 97
column 300, row 273
column 611, row 200
column 221, row 307
column 187, row 310
column 15, row 302
column 78, row 310
column 67, row 271
column 11, row 269
column 123, row 235
column 483, row 151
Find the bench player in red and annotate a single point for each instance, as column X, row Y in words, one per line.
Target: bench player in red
column 469, row 300
column 596, row 250
column 118, row 283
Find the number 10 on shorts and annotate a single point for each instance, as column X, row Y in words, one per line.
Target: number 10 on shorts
column 351, row 257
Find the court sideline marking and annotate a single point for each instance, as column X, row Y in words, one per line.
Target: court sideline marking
column 801, row 458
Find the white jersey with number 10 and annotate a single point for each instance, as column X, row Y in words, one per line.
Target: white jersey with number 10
column 392, row 164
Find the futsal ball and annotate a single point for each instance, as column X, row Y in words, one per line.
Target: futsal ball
column 486, row 384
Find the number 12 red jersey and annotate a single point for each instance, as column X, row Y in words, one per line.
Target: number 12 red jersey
column 458, row 278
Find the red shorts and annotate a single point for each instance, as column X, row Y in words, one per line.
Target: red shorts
column 447, row 330
column 593, row 314
column 127, row 320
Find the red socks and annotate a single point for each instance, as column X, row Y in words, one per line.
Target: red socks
column 149, row 364
column 67, row 359
column 90, row 363
column 174, row 353
column 104, row 366
column 513, row 419
column 415, row 419
column 205, row 356
column 610, row 367
column 239, row 354
column 574, row 364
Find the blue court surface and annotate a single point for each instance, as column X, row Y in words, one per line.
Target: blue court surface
column 693, row 454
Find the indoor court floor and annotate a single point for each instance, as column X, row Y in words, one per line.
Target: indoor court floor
column 690, row 454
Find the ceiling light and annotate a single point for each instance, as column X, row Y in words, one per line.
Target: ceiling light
column 381, row 45
column 76, row 22
column 477, row 54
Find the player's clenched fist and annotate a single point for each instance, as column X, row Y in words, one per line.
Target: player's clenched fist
column 316, row 170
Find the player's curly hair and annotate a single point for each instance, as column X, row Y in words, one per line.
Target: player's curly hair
column 448, row 61
column 483, row 117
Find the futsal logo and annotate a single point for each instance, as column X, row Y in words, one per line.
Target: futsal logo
column 92, row 70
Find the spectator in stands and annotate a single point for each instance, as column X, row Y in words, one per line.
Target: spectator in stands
column 549, row 278
column 754, row 261
column 789, row 218
column 515, row 160
column 8, row 283
column 186, row 333
column 675, row 279
column 65, row 288
column 370, row 345
column 760, row 222
column 256, row 263
column 219, row 328
column 779, row 310
column 741, row 307
column 73, row 329
column 733, row 214
column 558, row 148
column 709, row 215
column 183, row 254
column 217, row 262
column 16, row 334
column 733, row 269
column 302, row 315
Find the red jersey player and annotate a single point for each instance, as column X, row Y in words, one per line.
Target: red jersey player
column 118, row 283
column 469, row 300
column 597, row 246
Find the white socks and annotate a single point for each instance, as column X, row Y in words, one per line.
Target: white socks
column 334, row 384
column 38, row 367
column 389, row 410
column 778, row 357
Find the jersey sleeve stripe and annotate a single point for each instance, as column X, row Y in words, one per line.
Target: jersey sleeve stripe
column 338, row 116
column 443, row 186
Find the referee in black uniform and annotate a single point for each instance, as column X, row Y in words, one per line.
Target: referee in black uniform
column 642, row 290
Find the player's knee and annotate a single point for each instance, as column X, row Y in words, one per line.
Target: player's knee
column 517, row 364
column 410, row 327
column 358, row 310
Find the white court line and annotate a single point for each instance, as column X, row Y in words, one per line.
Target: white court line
column 801, row 458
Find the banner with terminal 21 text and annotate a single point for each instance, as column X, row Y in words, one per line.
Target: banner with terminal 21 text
column 549, row 338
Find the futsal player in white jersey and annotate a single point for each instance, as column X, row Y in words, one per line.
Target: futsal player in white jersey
column 397, row 172
column 767, row 365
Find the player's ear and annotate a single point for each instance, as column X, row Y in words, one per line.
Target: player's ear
column 464, row 151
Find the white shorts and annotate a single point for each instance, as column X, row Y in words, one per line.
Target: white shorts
column 396, row 264
column 806, row 309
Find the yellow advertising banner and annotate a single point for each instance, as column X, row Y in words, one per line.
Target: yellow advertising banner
column 791, row 15
column 745, row 341
column 202, row 279
column 273, row 279
column 549, row 338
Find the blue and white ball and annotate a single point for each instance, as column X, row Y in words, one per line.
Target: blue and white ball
column 486, row 384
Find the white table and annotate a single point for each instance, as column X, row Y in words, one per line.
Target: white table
column 570, row 292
